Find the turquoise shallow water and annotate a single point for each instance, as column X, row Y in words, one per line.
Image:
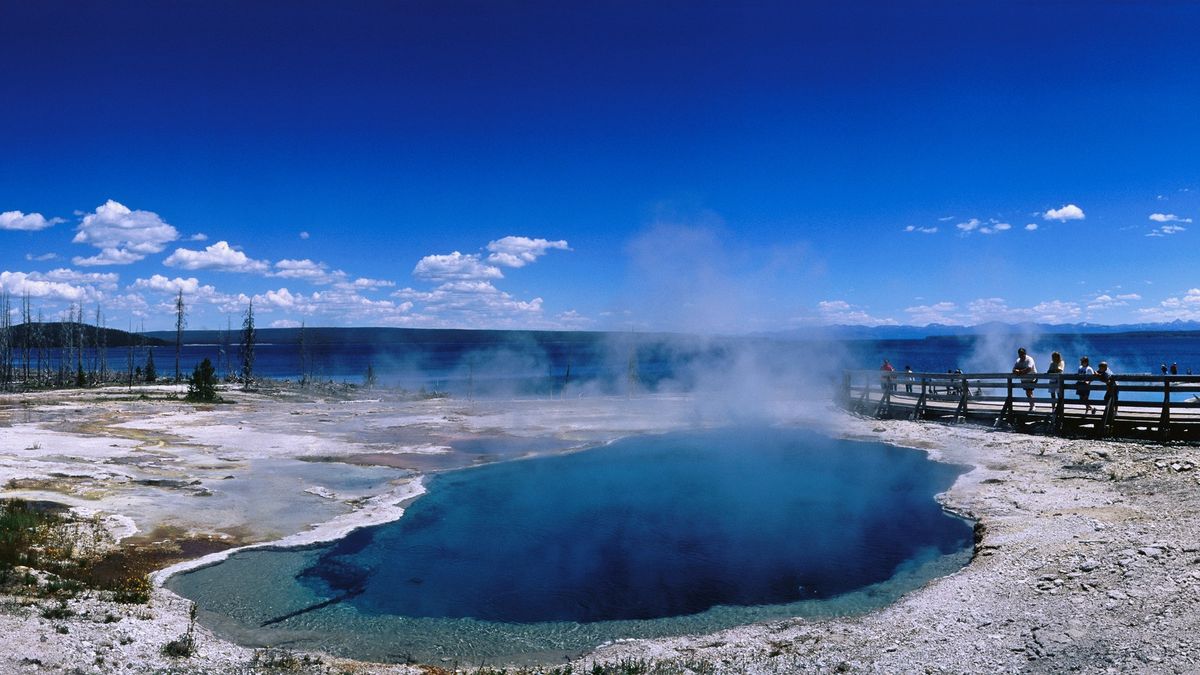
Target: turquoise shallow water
column 650, row 536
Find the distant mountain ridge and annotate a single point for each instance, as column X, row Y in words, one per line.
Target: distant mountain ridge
column 53, row 334
column 909, row 332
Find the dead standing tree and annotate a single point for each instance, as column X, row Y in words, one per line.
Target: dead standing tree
column 26, row 337
column 180, row 322
column 40, row 344
column 249, row 337
column 101, row 347
column 6, row 342
column 305, row 358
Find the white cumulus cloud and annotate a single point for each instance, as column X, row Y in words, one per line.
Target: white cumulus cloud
column 939, row 312
column 997, row 309
column 1166, row 230
column 1168, row 218
column 308, row 270
column 842, row 312
column 471, row 300
column 21, row 283
column 31, row 222
column 992, row 226
column 520, row 251
column 161, row 284
column 365, row 283
column 220, row 256
column 1065, row 213
column 455, row 266
column 108, row 256
column 921, row 230
column 97, row 279
column 122, row 235
column 1185, row 307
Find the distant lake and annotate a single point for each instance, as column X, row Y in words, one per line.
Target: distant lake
column 532, row 363
column 650, row 536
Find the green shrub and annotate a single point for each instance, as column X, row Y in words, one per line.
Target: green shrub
column 202, row 386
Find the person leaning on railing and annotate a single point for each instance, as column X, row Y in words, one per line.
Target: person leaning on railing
column 1083, row 388
column 1055, row 367
column 1025, row 365
column 1106, row 376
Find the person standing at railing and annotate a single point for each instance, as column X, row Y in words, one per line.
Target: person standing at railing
column 908, row 379
column 1083, row 388
column 885, row 376
column 1025, row 365
column 1106, row 376
column 1056, row 367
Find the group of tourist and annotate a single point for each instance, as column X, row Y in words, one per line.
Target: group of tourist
column 1027, row 367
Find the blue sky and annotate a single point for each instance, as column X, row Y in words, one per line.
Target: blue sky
column 706, row 166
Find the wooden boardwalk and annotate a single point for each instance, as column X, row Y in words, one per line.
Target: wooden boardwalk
column 1158, row 407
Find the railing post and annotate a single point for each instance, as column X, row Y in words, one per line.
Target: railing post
column 866, row 395
column 962, row 400
column 1110, row 406
column 919, row 409
column 1006, row 411
column 887, row 381
column 1059, row 403
column 1164, row 420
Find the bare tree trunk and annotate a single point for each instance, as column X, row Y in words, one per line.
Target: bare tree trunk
column 304, row 358
column 39, row 342
column 26, row 330
column 79, row 335
column 101, row 347
column 6, row 340
column 249, row 337
column 129, row 353
column 66, row 350
column 180, row 322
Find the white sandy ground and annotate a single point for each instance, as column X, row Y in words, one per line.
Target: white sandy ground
column 1090, row 557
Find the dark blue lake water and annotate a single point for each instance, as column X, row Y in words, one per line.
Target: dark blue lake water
column 648, row 536
column 528, row 363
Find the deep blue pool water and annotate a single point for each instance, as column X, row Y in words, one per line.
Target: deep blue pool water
column 648, row 536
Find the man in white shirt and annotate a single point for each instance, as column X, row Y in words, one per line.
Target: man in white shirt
column 1026, row 366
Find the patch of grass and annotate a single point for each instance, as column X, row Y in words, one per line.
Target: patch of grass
column 59, row 611
column 185, row 645
column 45, row 537
column 282, row 660
column 24, row 532
column 621, row 667
column 63, row 588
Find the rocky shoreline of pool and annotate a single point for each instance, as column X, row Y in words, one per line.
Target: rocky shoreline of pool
column 1088, row 554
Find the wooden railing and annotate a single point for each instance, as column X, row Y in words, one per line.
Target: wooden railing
column 1159, row 406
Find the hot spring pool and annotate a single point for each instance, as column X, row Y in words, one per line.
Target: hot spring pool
column 533, row 560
